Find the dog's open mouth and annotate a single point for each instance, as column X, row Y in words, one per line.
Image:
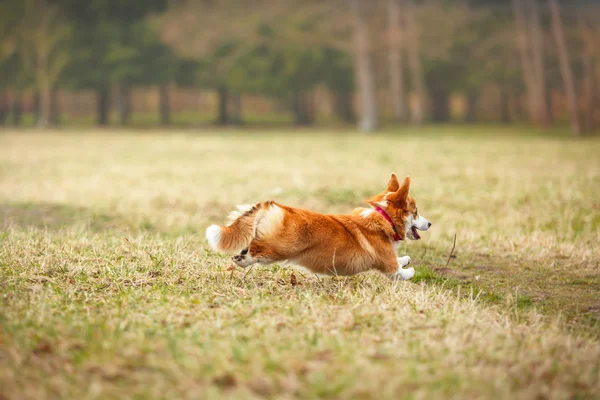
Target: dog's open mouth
column 415, row 233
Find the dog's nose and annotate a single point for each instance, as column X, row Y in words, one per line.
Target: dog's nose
column 428, row 225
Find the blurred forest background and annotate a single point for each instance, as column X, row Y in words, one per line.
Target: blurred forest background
column 364, row 62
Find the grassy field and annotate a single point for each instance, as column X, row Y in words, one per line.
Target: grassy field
column 108, row 289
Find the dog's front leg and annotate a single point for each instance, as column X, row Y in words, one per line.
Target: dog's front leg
column 404, row 274
column 394, row 267
column 404, row 261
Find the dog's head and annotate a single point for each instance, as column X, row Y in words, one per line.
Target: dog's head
column 401, row 208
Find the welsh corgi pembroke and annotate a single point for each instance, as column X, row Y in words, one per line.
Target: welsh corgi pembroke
column 269, row 232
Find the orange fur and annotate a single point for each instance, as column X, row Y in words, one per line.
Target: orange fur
column 328, row 244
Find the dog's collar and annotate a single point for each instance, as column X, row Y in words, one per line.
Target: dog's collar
column 387, row 217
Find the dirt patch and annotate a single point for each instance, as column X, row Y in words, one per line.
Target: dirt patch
column 450, row 273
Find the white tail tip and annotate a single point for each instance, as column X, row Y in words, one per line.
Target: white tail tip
column 213, row 235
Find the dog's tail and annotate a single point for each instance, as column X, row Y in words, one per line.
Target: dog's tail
column 246, row 223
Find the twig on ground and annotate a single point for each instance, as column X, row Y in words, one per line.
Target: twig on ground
column 451, row 251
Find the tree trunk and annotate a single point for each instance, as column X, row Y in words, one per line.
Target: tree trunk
column 524, row 55
column 537, row 46
column 223, row 118
column 235, row 109
column 565, row 66
column 589, row 82
column 163, row 104
column 343, row 106
column 4, row 106
column 54, row 107
column 415, row 64
column 504, row 105
column 124, row 104
column 471, row 113
column 17, row 110
column 45, row 102
column 395, row 60
column 517, row 102
column 440, row 106
column 363, row 70
column 549, row 107
column 296, row 108
column 302, row 108
column 102, row 105
column 36, row 107
column 589, row 95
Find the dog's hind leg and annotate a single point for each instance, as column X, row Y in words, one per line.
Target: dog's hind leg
column 259, row 252
column 243, row 259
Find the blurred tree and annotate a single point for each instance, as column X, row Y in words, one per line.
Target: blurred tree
column 589, row 84
column 284, row 49
column 89, row 68
column 143, row 61
column 43, row 36
column 415, row 63
column 530, row 44
column 265, row 51
column 481, row 49
column 9, row 17
column 363, row 67
column 291, row 73
column 216, row 35
column 103, row 51
column 397, row 94
column 218, row 71
column 338, row 77
column 565, row 66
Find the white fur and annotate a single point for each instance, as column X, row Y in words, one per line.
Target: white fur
column 404, row 261
column 408, row 223
column 382, row 203
column 213, row 235
column 366, row 212
column 241, row 209
column 404, row 274
column 421, row 223
column 268, row 222
column 244, row 260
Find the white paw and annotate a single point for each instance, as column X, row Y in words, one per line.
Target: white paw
column 404, row 274
column 404, row 261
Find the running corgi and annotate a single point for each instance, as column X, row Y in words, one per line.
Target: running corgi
column 266, row 233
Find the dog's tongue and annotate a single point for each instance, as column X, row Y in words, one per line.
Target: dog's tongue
column 416, row 233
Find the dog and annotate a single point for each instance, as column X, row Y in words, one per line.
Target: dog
column 269, row 232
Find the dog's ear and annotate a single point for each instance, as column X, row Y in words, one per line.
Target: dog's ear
column 393, row 184
column 399, row 197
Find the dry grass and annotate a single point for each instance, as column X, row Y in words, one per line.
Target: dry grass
column 108, row 290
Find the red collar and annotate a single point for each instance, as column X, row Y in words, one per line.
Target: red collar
column 387, row 217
